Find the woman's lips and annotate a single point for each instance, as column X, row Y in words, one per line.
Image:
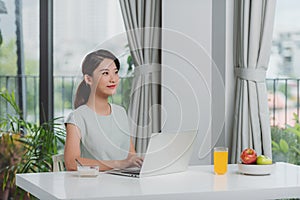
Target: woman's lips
column 111, row 86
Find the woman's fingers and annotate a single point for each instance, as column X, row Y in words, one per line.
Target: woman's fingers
column 134, row 161
column 139, row 161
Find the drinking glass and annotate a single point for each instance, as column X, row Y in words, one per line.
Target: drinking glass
column 220, row 160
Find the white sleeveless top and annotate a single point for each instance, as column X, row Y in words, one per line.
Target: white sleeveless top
column 102, row 137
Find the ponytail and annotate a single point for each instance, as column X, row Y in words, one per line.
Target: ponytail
column 82, row 94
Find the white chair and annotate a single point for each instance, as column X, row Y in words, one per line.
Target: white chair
column 58, row 163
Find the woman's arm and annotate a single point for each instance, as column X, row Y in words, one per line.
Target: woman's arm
column 72, row 146
column 72, row 152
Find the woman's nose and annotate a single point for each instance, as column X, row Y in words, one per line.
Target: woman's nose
column 114, row 78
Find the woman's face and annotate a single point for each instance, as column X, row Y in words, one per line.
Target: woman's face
column 105, row 79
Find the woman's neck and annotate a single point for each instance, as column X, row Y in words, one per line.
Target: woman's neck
column 99, row 105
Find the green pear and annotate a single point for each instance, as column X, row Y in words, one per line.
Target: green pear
column 263, row 160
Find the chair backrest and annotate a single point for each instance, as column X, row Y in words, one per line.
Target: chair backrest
column 58, row 162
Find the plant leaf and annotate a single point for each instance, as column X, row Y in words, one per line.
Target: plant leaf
column 296, row 149
column 275, row 146
column 284, row 146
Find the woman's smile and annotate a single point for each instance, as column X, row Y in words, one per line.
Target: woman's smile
column 112, row 86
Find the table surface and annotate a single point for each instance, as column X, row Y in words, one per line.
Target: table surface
column 198, row 182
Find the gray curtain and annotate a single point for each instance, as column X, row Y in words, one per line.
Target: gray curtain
column 253, row 28
column 143, row 22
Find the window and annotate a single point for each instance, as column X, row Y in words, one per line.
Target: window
column 19, row 55
column 283, row 79
column 83, row 27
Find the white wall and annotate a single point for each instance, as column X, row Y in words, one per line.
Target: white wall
column 187, row 71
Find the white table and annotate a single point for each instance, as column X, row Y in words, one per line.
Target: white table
column 198, row 182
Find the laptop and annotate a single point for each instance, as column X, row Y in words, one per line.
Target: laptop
column 166, row 153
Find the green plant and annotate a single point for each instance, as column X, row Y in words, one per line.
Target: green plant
column 296, row 131
column 3, row 10
column 286, row 143
column 26, row 147
column 8, row 59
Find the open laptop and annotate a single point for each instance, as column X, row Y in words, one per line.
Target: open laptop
column 166, row 153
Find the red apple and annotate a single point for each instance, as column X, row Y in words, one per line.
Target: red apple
column 248, row 156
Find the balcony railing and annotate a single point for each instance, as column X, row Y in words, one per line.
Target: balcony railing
column 64, row 90
column 283, row 96
column 283, row 99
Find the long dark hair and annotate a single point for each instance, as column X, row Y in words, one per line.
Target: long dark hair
column 89, row 64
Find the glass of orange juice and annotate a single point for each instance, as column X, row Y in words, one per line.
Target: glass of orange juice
column 220, row 160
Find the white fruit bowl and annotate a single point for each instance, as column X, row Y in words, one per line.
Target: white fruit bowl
column 254, row 169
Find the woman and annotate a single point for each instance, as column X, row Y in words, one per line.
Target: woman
column 97, row 132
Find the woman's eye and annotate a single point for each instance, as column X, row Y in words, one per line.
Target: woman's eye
column 105, row 73
column 116, row 72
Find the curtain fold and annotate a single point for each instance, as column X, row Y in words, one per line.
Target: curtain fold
column 253, row 29
column 142, row 21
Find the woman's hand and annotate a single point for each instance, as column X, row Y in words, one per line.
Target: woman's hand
column 132, row 161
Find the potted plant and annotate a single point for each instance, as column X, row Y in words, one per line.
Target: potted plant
column 25, row 147
column 10, row 152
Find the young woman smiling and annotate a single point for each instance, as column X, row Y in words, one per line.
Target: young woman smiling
column 97, row 131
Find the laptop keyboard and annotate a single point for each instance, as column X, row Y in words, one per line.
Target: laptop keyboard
column 135, row 170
